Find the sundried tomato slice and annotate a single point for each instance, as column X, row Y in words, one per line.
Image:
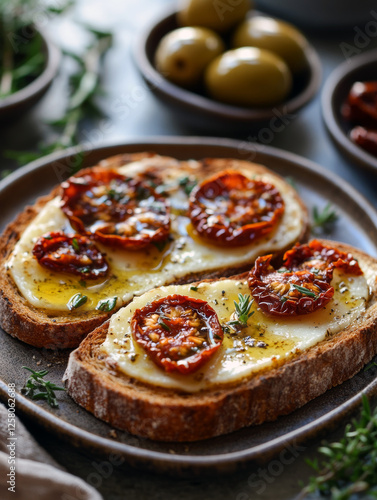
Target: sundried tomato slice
column 361, row 104
column 117, row 210
column 72, row 254
column 179, row 333
column 303, row 284
column 231, row 209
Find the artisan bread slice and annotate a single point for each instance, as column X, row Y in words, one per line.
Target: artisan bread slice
column 95, row 382
column 49, row 328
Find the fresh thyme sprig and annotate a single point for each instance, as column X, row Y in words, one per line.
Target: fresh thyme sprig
column 243, row 313
column 37, row 388
column 324, row 220
column 305, row 291
column 350, row 467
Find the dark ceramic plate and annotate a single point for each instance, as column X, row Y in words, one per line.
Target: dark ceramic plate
column 204, row 113
column 357, row 225
column 360, row 68
column 13, row 106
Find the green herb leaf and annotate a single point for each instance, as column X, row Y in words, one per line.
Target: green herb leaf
column 107, row 305
column 194, row 288
column 305, row 291
column 187, row 184
column 37, row 388
column 77, row 301
column 324, row 220
column 283, row 270
column 75, row 245
column 243, row 307
column 160, row 245
column 160, row 321
column 350, row 465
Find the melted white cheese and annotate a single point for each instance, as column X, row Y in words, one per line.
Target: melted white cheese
column 265, row 341
column 133, row 273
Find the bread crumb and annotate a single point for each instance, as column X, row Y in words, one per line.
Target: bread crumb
column 39, row 362
column 113, row 434
column 172, row 452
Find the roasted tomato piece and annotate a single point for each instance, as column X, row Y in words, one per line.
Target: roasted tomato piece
column 361, row 104
column 303, row 284
column 179, row 333
column 72, row 254
column 118, row 211
column 366, row 139
column 320, row 259
column 231, row 209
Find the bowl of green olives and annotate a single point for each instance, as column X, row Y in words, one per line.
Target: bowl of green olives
column 230, row 77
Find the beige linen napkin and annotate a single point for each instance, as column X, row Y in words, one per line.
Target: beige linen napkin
column 37, row 475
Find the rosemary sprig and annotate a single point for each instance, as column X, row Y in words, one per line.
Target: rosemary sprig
column 350, row 467
column 305, row 291
column 161, row 322
column 243, row 313
column 324, row 220
column 37, row 388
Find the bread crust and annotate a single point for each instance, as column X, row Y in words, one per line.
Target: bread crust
column 169, row 415
column 44, row 328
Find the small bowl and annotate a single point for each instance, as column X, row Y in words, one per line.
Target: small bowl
column 360, row 68
column 14, row 105
column 320, row 14
column 203, row 113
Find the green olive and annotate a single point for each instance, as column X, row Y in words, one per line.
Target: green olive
column 183, row 54
column 248, row 77
column 219, row 15
column 280, row 37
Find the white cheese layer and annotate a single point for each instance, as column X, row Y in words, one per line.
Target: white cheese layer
column 261, row 344
column 133, row 273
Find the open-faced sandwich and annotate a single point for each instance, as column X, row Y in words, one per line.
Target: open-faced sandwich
column 194, row 361
column 130, row 224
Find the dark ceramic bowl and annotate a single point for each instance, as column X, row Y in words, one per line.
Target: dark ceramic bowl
column 201, row 112
column 11, row 107
column 359, row 68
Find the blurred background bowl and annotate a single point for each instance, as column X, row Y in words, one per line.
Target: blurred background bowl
column 205, row 114
column 14, row 105
column 360, row 68
column 321, row 13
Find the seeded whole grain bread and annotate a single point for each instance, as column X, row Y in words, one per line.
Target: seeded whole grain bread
column 58, row 330
column 163, row 414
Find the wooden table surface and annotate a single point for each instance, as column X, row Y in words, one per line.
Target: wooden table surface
column 133, row 112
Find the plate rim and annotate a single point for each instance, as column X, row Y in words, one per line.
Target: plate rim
column 331, row 118
column 161, row 459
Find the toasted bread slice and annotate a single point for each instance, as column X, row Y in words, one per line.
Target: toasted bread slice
column 165, row 414
column 49, row 328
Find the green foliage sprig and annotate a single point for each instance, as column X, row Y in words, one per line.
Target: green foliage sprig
column 37, row 388
column 350, row 468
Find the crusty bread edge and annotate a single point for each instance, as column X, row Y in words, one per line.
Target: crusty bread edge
column 168, row 415
column 44, row 328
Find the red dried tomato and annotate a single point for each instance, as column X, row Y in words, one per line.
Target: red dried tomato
column 231, row 209
column 361, row 104
column 366, row 139
column 179, row 333
column 302, row 285
column 117, row 210
column 74, row 254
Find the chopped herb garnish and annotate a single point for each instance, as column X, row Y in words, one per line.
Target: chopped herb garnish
column 283, row 270
column 77, row 301
column 75, row 245
column 187, row 184
column 242, row 310
column 305, row 291
column 194, row 288
column 107, row 305
column 162, row 324
column 324, row 220
column 82, row 283
column 284, row 299
column 37, row 388
column 47, row 237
